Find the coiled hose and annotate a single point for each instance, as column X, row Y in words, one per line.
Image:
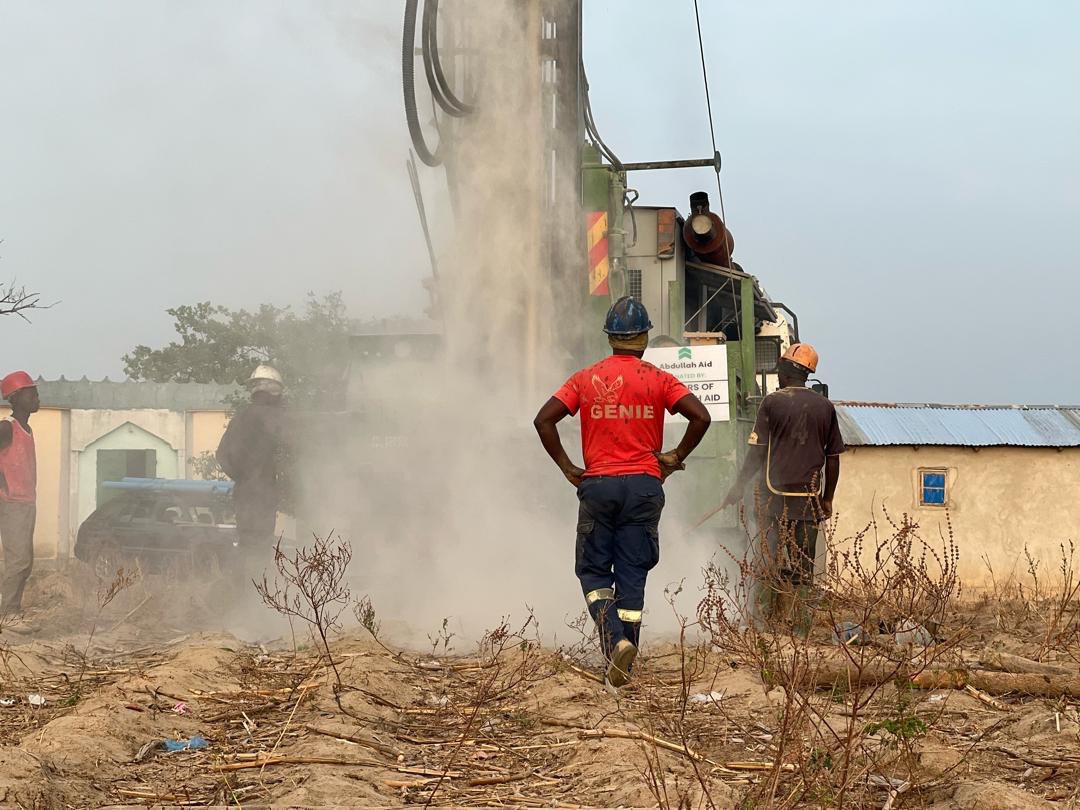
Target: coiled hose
column 408, row 83
column 439, row 85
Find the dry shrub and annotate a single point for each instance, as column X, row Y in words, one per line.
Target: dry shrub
column 310, row 585
column 1042, row 603
column 847, row 724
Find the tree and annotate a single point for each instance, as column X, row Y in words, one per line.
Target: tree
column 220, row 345
column 16, row 300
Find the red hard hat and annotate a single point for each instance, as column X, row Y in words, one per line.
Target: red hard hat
column 15, row 381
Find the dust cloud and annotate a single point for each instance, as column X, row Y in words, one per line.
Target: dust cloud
column 439, row 483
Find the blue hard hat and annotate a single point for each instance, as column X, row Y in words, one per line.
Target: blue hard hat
column 627, row 317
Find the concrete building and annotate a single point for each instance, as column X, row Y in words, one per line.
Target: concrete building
column 89, row 432
column 1005, row 476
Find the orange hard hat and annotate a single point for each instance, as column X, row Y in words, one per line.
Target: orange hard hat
column 15, row 381
column 802, row 354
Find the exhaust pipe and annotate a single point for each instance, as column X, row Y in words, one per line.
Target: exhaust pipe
column 705, row 233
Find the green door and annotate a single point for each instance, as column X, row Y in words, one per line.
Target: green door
column 115, row 465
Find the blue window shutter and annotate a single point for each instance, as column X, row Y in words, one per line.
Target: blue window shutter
column 933, row 496
column 932, row 491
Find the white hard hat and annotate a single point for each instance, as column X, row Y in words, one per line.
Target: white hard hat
column 265, row 374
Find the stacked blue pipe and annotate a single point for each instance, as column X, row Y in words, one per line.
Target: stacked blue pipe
column 172, row 485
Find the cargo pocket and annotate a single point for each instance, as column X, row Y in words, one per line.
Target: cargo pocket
column 584, row 532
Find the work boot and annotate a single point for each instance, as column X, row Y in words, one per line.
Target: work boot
column 622, row 658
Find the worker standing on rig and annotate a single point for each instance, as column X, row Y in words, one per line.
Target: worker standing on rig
column 18, row 488
column 250, row 454
column 622, row 400
column 795, row 438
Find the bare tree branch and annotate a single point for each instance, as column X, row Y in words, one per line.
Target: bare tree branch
column 15, row 299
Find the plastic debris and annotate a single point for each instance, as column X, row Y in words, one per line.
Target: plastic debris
column 7, row 702
column 909, row 632
column 195, row 743
column 181, row 708
column 937, row 697
column 707, row 697
column 35, row 700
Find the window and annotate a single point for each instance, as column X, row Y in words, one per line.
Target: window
column 932, row 489
column 633, row 282
column 173, row 512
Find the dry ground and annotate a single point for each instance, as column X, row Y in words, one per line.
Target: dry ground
column 512, row 724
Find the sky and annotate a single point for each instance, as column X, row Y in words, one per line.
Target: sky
column 903, row 174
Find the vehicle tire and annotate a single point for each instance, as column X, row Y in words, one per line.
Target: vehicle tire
column 205, row 561
column 108, row 559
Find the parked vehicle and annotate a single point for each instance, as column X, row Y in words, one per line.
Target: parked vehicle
column 160, row 523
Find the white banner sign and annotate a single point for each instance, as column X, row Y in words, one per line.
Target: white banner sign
column 702, row 369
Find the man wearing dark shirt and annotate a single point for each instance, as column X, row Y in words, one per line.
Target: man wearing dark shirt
column 249, row 453
column 795, row 440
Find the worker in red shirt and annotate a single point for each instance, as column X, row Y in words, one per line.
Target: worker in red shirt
column 18, row 488
column 622, row 400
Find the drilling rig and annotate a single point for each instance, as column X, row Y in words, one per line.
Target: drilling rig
column 714, row 326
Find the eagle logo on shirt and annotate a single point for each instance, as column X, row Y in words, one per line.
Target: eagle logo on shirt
column 607, row 394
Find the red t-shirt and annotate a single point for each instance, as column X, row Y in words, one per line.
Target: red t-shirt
column 622, row 401
column 18, row 466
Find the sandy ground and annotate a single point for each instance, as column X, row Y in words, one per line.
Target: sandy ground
column 529, row 727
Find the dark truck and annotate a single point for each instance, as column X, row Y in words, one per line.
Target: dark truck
column 161, row 524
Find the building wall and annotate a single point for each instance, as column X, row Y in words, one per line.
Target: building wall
column 205, row 429
column 67, row 441
column 999, row 498
column 49, row 426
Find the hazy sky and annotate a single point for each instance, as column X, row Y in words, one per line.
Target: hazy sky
column 905, row 174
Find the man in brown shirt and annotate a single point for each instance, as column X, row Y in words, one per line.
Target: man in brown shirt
column 795, row 439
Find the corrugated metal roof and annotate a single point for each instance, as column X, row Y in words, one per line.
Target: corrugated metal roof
column 958, row 425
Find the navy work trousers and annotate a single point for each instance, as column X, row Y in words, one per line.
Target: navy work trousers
column 618, row 543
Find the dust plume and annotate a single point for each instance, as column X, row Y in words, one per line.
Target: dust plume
column 452, row 507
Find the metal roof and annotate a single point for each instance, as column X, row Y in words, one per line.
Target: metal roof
column 129, row 395
column 878, row 424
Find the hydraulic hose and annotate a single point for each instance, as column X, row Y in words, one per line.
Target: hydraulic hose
column 440, row 86
column 408, row 84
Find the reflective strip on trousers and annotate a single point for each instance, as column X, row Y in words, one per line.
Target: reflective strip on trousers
column 632, row 616
column 598, row 594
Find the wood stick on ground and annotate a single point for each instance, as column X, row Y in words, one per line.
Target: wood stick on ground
column 498, row 780
column 625, row 734
column 264, row 762
column 236, row 713
column 592, row 676
column 406, row 783
column 1017, row 664
column 1038, row 762
column 146, row 794
column 987, row 699
column 374, row 745
column 629, row 734
column 994, row 683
